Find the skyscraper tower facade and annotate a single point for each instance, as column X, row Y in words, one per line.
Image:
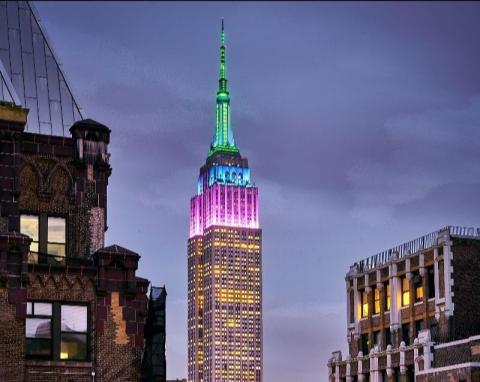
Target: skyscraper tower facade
column 224, row 260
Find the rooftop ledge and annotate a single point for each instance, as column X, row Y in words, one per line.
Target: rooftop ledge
column 420, row 244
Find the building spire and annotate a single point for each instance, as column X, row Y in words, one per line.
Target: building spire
column 223, row 140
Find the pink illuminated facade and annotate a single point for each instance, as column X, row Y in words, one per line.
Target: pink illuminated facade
column 224, row 261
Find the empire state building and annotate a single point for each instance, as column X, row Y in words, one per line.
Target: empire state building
column 224, row 260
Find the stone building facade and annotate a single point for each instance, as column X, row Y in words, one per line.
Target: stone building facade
column 71, row 309
column 413, row 312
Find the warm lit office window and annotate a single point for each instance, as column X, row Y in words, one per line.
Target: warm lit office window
column 387, row 296
column 56, row 331
column 377, row 300
column 405, row 291
column 364, row 304
column 418, row 286
column 29, row 226
column 73, row 332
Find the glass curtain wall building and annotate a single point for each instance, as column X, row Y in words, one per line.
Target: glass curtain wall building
column 224, row 260
column 30, row 74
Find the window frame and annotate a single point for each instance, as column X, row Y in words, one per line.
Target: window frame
column 405, row 292
column 377, row 301
column 418, row 285
column 388, row 298
column 61, row 332
column 56, row 331
column 39, row 316
column 43, row 240
column 431, row 282
column 364, row 304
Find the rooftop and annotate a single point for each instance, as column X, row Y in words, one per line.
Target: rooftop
column 422, row 243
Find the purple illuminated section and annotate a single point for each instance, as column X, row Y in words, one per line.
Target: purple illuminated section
column 224, row 205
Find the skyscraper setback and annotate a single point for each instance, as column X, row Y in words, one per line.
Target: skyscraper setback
column 224, row 260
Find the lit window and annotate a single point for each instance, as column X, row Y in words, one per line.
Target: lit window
column 377, row 300
column 418, row 286
column 364, row 304
column 29, row 227
column 73, row 332
column 405, row 291
column 387, row 296
column 48, row 235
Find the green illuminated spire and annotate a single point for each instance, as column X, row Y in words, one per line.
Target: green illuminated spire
column 223, row 140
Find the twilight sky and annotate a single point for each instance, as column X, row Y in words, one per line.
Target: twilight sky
column 361, row 123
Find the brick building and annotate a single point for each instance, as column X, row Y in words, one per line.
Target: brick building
column 413, row 312
column 70, row 308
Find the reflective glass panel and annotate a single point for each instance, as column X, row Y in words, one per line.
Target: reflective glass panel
column 38, row 347
column 74, row 318
column 42, row 309
column 29, row 227
column 56, row 230
column 38, row 328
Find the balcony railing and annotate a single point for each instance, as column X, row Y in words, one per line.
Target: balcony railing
column 413, row 246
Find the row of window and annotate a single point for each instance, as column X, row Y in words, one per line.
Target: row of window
column 377, row 337
column 417, row 293
column 48, row 233
column 56, row 331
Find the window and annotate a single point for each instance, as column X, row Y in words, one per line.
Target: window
column 376, row 300
column 56, row 331
column 48, row 234
column 365, row 343
column 419, row 325
column 352, row 304
column 405, row 291
column 431, row 282
column 38, row 330
column 29, row 227
column 73, row 332
column 364, row 304
column 418, row 287
column 405, row 333
column 377, row 338
column 56, row 236
column 387, row 296
column 388, row 337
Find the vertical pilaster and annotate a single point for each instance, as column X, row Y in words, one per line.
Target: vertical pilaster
column 436, row 276
column 448, row 270
column 395, row 300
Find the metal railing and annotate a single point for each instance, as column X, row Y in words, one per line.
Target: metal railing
column 413, row 246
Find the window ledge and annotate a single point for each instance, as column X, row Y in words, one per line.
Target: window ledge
column 417, row 303
column 44, row 363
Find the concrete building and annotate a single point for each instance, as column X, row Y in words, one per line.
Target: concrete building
column 413, row 312
column 224, row 261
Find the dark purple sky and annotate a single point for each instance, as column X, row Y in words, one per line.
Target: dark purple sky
column 361, row 122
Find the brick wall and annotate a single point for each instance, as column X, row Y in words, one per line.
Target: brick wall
column 466, row 287
column 42, row 174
